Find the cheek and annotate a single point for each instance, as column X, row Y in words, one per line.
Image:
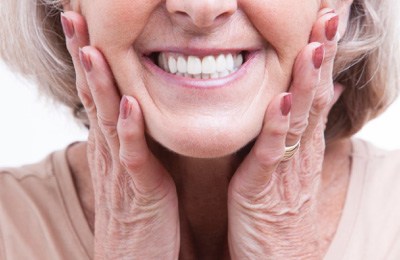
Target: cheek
column 114, row 25
column 286, row 25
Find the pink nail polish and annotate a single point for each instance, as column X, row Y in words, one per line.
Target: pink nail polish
column 125, row 108
column 286, row 104
column 318, row 56
column 331, row 27
column 68, row 26
column 85, row 60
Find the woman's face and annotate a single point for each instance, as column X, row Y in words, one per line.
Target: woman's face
column 147, row 41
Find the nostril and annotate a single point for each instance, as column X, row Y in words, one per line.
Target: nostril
column 201, row 13
column 180, row 13
column 223, row 16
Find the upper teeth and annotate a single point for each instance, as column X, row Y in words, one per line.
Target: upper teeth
column 208, row 67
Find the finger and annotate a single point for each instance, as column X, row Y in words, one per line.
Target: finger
column 325, row 31
column 147, row 173
column 337, row 92
column 256, row 170
column 76, row 36
column 306, row 74
column 307, row 175
column 105, row 94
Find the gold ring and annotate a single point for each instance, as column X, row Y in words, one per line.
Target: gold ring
column 290, row 151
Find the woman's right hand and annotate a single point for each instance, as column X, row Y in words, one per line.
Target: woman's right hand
column 136, row 204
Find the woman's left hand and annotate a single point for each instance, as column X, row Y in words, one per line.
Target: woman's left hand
column 272, row 202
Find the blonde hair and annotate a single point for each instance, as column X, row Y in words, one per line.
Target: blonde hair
column 32, row 43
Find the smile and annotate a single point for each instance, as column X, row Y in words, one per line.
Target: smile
column 207, row 67
column 200, row 68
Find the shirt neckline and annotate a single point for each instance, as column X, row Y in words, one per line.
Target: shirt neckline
column 71, row 201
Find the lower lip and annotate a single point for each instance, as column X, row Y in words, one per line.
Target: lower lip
column 201, row 83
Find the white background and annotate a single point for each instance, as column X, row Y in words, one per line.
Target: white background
column 31, row 127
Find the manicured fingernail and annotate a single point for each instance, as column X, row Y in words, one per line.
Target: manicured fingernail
column 85, row 60
column 286, row 104
column 68, row 26
column 318, row 56
column 331, row 27
column 125, row 108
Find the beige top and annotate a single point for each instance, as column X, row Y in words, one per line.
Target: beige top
column 41, row 217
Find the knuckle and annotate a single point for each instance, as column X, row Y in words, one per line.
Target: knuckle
column 126, row 132
column 268, row 157
column 297, row 127
column 133, row 161
column 277, row 132
column 330, row 52
column 108, row 127
column 98, row 87
column 322, row 101
column 84, row 95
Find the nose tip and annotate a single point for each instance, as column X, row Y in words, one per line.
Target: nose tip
column 202, row 13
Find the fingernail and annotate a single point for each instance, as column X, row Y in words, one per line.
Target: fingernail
column 286, row 104
column 331, row 27
column 85, row 60
column 125, row 108
column 318, row 56
column 68, row 26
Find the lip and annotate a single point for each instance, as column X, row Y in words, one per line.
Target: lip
column 186, row 82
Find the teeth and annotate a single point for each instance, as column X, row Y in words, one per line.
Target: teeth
column 205, row 76
column 214, row 75
column 238, row 61
column 223, row 74
column 162, row 62
column 221, row 63
column 194, row 65
column 182, row 65
column 209, row 67
column 229, row 62
column 172, row 65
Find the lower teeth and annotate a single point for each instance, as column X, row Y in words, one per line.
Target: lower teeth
column 206, row 76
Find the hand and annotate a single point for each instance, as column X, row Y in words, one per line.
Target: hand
column 272, row 203
column 136, row 205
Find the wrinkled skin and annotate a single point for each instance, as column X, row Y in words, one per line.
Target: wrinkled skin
column 270, row 203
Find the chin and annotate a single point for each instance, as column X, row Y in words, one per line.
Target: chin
column 206, row 143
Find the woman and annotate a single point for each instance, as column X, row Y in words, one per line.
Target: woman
column 207, row 122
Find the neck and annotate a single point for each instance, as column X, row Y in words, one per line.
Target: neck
column 202, row 187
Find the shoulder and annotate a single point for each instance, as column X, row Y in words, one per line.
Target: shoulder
column 22, row 189
column 378, row 166
column 41, row 170
column 373, row 197
column 365, row 149
column 377, row 173
column 369, row 227
column 35, row 221
column 22, row 184
column 26, row 195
